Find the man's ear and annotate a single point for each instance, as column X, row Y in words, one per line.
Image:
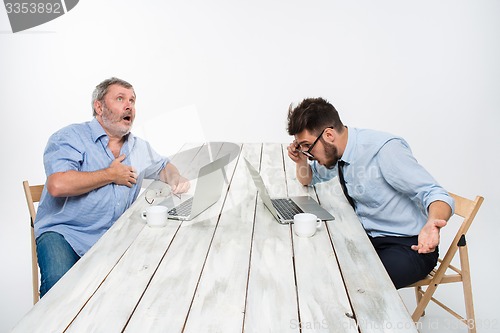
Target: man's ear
column 329, row 135
column 98, row 107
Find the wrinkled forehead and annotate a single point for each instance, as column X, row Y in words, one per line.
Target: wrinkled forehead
column 116, row 89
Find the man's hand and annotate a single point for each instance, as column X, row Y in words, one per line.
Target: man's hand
column 179, row 184
column 72, row 183
column 302, row 169
column 295, row 155
column 428, row 238
column 122, row 174
column 171, row 176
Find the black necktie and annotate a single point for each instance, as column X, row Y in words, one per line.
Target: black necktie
column 340, row 166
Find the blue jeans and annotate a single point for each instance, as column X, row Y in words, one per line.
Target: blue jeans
column 55, row 258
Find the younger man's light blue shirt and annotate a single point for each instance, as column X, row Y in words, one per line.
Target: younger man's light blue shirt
column 391, row 190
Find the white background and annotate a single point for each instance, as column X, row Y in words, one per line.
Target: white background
column 227, row 70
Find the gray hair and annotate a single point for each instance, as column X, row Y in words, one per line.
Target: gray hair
column 102, row 89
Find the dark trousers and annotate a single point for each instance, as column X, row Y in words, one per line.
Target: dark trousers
column 404, row 265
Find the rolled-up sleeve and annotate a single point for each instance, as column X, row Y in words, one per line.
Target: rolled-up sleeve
column 62, row 154
column 402, row 171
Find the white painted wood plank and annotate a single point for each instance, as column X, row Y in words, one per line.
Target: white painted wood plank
column 377, row 305
column 168, row 298
column 323, row 302
column 219, row 303
column 113, row 303
column 272, row 299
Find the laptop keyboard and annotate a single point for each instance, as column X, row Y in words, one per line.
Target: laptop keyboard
column 286, row 208
column 184, row 209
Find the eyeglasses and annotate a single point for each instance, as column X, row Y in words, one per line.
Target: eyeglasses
column 308, row 151
column 151, row 194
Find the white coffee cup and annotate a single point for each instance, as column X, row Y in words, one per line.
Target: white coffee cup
column 156, row 216
column 305, row 224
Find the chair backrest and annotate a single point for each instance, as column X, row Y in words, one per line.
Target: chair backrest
column 467, row 209
column 33, row 194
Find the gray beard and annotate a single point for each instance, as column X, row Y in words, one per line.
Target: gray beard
column 110, row 125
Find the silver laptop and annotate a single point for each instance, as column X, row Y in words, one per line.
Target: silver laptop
column 283, row 209
column 208, row 191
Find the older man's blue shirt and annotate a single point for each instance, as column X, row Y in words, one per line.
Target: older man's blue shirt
column 83, row 219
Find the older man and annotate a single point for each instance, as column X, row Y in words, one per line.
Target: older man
column 94, row 173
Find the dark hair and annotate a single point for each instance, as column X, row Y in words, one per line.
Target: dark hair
column 102, row 89
column 314, row 115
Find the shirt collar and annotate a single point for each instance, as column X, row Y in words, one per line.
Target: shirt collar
column 96, row 130
column 352, row 138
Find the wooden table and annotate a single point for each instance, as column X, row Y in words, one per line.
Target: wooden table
column 232, row 269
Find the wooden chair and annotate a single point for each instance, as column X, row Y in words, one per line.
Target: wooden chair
column 446, row 273
column 33, row 194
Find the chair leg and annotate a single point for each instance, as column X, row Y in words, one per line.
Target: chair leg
column 34, row 269
column 426, row 298
column 467, row 285
column 418, row 296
